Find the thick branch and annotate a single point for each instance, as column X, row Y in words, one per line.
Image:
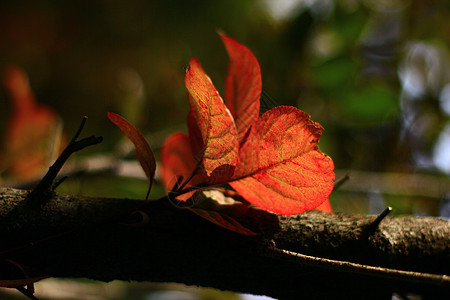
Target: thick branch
column 97, row 238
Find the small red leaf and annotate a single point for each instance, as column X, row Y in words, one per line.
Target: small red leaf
column 221, row 210
column 325, row 207
column 222, row 220
column 280, row 168
column 143, row 152
column 215, row 125
column 242, row 85
column 177, row 160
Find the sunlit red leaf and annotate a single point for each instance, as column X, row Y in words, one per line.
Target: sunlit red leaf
column 272, row 161
column 281, row 169
column 242, row 85
column 143, row 152
column 215, row 125
column 178, row 160
column 34, row 133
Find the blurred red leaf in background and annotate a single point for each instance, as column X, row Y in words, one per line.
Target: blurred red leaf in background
column 34, row 131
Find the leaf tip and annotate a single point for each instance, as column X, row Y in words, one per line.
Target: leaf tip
column 112, row 116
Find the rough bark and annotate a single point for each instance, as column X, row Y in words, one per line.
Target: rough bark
column 313, row 255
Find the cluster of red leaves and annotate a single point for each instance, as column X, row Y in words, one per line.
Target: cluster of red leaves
column 271, row 160
column 34, row 131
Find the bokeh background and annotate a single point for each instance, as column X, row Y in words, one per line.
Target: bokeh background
column 375, row 74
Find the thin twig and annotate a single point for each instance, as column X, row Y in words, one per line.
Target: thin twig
column 44, row 190
column 26, row 292
column 341, row 181
column 80, row 128
column 58, row 182
column 177, row 184
column 372, row 227
column 197, row 167
column 351, row 267
column 381, row 216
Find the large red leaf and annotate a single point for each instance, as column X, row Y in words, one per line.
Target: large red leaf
column 177, row 160
column 214, row 123
column 242, row 85
column 143, row 152
column 281, row 169
column 34, row 131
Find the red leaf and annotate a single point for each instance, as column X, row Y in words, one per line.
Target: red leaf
column 272, row 161
column 325, row 207
column 177, row 160
column 222, row 220
column 221, row 210
column 280, row 168
column 215, row 125
column 143, row 152
column 242, row 85
column 34, row 131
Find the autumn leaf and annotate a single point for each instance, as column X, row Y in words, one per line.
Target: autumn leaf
column 227, row 209
column 177, row 160
column 222, row 220
column 214, row 123
column 273, row 160
column 216, row 207
column 34, row 134
column 280, row 167
column 242, row 85
column 143, row 152
column 325, row 207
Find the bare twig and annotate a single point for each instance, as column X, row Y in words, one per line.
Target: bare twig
column 44, row 189
column 26, row 293
column 351, row 267
column 341, row 181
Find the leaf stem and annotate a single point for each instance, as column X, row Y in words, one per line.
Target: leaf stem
column 197, row 167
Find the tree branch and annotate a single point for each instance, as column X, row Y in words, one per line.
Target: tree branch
column 312, row 255
column 46, row 186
